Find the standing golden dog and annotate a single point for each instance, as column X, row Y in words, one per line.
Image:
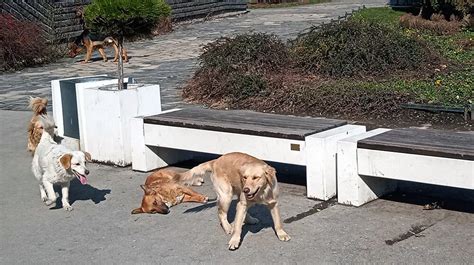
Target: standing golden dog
column 253, row 181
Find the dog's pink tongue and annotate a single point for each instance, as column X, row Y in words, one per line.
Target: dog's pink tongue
column 83, row 180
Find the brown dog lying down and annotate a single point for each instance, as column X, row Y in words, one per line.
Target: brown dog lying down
column 35, row 127
column 165, row 188
column 253, row 181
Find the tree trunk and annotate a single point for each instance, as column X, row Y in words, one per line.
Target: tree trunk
column 120, row 63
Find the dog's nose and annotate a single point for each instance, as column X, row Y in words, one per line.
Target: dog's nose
column 246, row 190
column 87, row 172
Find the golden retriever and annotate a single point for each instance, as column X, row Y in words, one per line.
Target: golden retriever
column 253, row 181
column 165, row 188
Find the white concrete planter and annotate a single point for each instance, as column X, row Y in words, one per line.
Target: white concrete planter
column 98, row 115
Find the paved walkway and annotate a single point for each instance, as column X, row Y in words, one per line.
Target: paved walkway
column 171, row 59
column 101, row 229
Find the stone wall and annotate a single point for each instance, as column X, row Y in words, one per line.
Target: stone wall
column 59, row 22
column 186, row 9
column 57, row 18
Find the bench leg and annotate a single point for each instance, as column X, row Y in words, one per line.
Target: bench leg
column 146, row 158
column 321, row 149
column 352, row 188
column 143, row 158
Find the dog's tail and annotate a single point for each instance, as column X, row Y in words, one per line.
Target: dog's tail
column 111, row 41
column 48, row 125
column 196, row 171
column 38, row 105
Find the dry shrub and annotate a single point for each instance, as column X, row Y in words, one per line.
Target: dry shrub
column 234, row 69
column 333, row 99
column 22, row 44
column 466, row 44
column 438, row 24
column 164, row 26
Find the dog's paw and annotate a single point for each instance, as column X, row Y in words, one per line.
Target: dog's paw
column 44, row 198
column 50, row 203
column 198, row 181
column 68, row 208
column 283, row 236
column 228, row 228
column 234, row 243
column 205, row 200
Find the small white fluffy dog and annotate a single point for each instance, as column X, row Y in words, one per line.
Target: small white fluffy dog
column 55, row 164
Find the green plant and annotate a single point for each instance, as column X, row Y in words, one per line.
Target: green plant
column 357, row 48
column 125, row 19
column 464, row 8
column 379, row 15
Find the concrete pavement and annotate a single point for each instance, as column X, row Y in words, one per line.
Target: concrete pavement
column 101, row 230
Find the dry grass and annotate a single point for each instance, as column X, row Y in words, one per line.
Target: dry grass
column 437, row 24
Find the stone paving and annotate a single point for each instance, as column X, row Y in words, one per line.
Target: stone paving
column 170, row 60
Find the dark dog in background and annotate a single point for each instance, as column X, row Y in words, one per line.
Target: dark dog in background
column 89, row 42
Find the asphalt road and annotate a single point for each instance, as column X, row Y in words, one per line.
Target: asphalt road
column 101, row 230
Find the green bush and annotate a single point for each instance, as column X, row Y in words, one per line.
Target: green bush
column 126, row 18
column 447, row 7
column 357, row 48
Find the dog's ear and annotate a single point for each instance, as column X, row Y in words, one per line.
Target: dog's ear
column 138, row 210
column 147, row 190
column 66, row 161
column 88, row 156
column 270, row 175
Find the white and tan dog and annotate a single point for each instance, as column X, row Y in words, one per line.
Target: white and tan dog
column 253, row 181
column 56, row 164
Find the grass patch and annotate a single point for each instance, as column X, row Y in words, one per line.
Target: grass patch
column 380, row 15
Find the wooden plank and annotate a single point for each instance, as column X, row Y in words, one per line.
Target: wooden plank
column 246, row 122
column 458, row 145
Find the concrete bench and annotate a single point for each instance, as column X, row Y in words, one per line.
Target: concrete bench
column 167, row 138
column 370, row 164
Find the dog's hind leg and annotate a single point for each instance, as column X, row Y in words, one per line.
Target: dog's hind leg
column 44, row 197
column 116, row 53
column 102, row 53
column 223, row 202
column 65, row 196
column 39, row 176
column 192, row 196
column 125, row 55
column 51, row 201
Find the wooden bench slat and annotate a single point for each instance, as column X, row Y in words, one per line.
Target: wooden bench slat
column 245, row 122
column 458, row 145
